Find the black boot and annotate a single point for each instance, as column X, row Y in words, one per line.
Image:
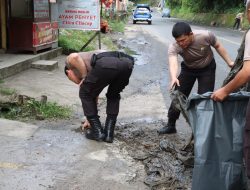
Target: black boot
column 109, row 129
column 168, row 129
column 96, row 131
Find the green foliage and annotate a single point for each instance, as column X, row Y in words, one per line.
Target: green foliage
column 206, row 6
column 6, row 91
column 50, row 109
column 174, row 3
column 130, row 51
column 207, row 11
column 150, row 2
column 33, row 109
column 117, row 26
column 107, row 41
column 74, row 40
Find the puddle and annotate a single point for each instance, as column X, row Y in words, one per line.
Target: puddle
column 139, row 60
column 139, row 41
column 98, row 155
column 78, row 130
column 146, row 120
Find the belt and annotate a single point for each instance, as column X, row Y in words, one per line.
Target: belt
column 117, row 54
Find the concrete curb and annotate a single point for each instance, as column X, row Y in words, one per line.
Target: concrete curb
column 12, row 64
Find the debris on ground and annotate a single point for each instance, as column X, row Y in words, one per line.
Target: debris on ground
column 166, row 164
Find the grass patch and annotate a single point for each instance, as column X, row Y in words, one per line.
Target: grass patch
column 117, row 25
column 130, row 51
column 33, row 109
column 107, row 41
column 74, row 40
column 7, row 91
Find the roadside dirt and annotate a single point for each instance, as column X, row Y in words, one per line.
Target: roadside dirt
column 143, row 110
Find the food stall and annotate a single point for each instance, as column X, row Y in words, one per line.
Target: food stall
column 30, row 25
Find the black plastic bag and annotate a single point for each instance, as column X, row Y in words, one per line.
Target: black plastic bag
column 218, row 141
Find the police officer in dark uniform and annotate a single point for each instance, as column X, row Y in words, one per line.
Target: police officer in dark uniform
column 93, row 71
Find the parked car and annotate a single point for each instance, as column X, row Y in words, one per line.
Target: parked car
column 142, row 13
column 166, row 12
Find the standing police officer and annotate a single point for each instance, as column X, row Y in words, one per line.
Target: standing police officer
column 195, row 47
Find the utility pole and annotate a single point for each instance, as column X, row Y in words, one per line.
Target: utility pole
column 162, row 4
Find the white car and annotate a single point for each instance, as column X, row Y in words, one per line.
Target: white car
column 165, row 12
column 142, row 13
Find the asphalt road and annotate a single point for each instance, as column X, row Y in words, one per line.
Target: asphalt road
column 231, row 39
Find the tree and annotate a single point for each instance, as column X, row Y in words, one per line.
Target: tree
column 206, row 5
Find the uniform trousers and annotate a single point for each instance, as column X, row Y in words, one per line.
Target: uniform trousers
column 110, row 71
column 206, row 80
column 246, row 140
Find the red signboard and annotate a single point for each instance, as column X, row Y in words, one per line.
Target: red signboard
column 44, row 33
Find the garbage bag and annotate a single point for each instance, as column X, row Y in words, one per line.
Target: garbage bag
column 246, row 145
column 218, row 141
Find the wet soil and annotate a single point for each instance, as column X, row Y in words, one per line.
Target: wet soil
column 167, row 164
column 167, row 159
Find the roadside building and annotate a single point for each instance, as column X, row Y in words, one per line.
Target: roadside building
column 28, row 25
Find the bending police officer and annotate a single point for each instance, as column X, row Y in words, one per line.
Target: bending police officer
column 93, row 71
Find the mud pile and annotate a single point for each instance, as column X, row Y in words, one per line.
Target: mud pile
column 168, row 161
